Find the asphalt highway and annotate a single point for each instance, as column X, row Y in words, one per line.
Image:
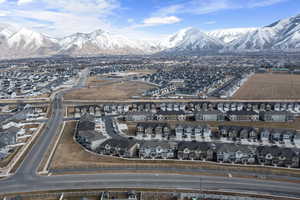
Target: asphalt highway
column 27, row 180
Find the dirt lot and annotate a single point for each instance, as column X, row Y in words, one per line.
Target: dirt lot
column 270, row 86
column 95, row 81
column 110, row 91
column 69, row 154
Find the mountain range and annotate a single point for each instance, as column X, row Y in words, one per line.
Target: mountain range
column 283, row 35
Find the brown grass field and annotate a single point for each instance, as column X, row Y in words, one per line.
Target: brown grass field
column 70, row 154
column 270, row 86
column 95, row 81
column 110, row 91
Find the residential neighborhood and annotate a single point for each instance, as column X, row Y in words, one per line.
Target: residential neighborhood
column 227, row 144
column 18, row 125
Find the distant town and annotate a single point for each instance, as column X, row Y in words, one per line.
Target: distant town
column 231, row 115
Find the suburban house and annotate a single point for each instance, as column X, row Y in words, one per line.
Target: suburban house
column 297, row 139
column 170, row 115
column 86, row 133
column 157, row 150
column 187, row 132
column 238, row 133
column 196, row 151
column 148, row 131
column 276, row 156
column 138, row 116
column 286, row 136
column 242, row 115
column 233, row 153
column 277, row 116
column 118, row 147
column 9, row 136
column 209, row 116
column 265, row 135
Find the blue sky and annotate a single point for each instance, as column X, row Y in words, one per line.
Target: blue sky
column 142, row 18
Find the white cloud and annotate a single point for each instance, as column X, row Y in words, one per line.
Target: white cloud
column 91, row 7
column 2, row 1
column 199, row 7
column 4, row 13
column 172, row 9
column 61, row 24
column 196, row 7
column 63, row 17
column 263, row 3
column 154, row 21
column 22, row 2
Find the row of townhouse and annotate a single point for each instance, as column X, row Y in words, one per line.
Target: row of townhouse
column 264, row 135
column 243, row 115
column 162, row 91
column 272, row 116
column 224, row 107
column 87, row 132
column 189, row 132
column 163, row 131
column 202, row 151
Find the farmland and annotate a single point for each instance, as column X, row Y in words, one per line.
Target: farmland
column 119, row 90
column 270, row 86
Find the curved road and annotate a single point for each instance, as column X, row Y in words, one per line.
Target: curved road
column 26, row 179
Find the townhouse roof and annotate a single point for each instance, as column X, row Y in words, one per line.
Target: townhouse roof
column 242, row 112
column 119, row 143
column 209, row 112
column 276, row 151
column 180, row 112
column 162, row 144
column 87, row 122
column 193, row 145
column 91, row 135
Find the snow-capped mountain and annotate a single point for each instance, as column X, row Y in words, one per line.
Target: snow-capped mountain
column 102, row 42
column 229, row 35
column 192, row 39
column 6, row 30
column 27, row 43
column 28, row 39
column 282, row 35
column 260, row 39
column 288, row 33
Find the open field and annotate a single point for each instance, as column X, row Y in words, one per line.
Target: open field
column 115, row 91
column 95, row 81
column 270, row 86
column 70, row 155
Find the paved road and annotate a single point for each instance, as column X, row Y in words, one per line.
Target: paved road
column 150, row 181
column 26, row 179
